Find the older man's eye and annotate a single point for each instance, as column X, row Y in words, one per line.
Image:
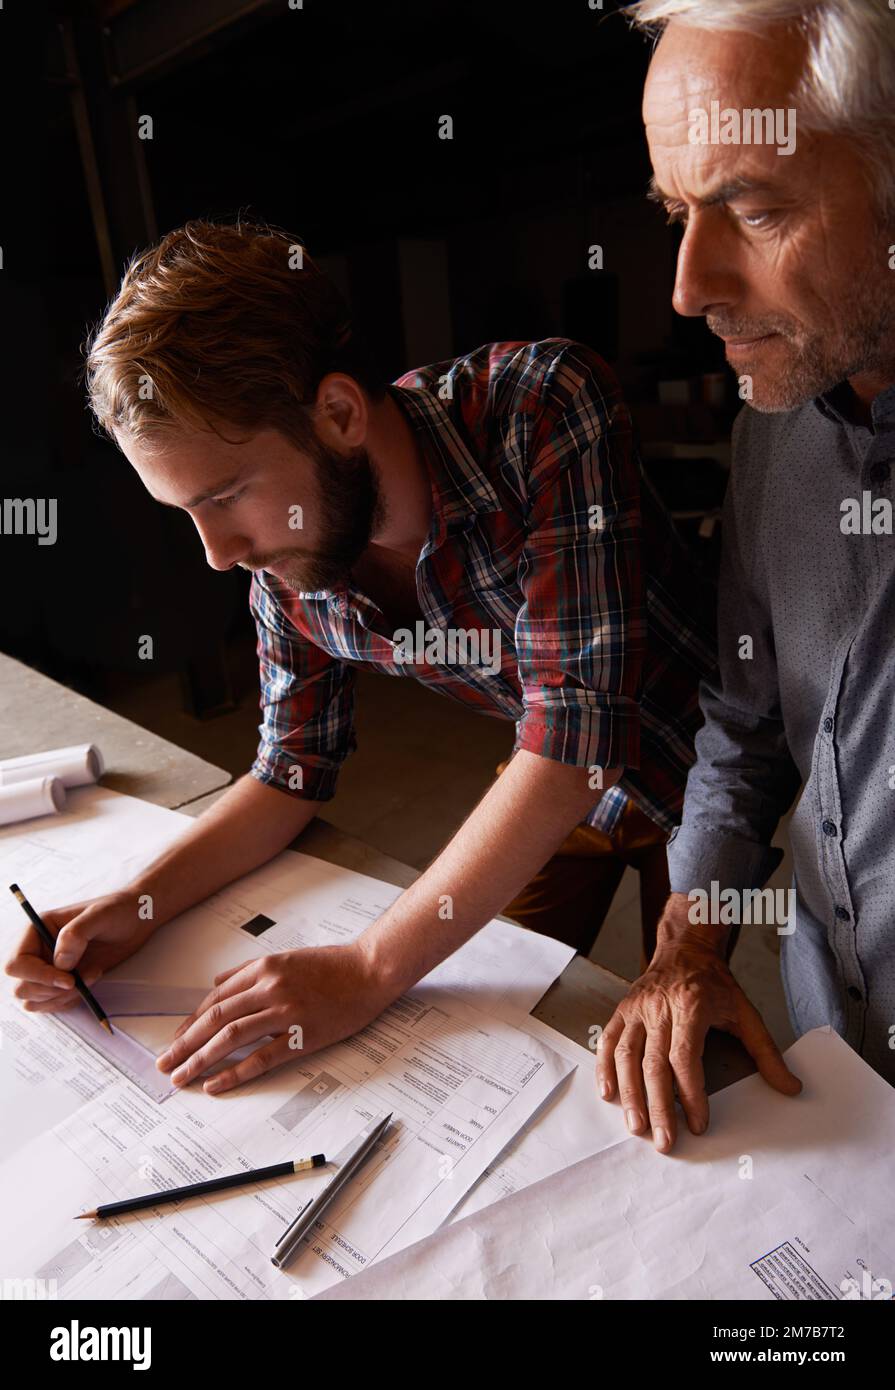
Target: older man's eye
column 227, row 501
column 756, row 220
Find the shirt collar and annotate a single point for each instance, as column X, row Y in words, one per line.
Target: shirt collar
column 883, row 407
column 460, row 487
column 835, row 405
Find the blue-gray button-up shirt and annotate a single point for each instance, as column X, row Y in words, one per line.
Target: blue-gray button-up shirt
column 810, row 700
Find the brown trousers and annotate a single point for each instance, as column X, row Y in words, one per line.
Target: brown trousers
column 570, row 896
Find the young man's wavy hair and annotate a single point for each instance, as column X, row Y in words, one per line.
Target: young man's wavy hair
column 220, row 324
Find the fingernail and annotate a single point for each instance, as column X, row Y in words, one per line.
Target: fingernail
column 660, row 1138
column 62, row 961
column 213, row 1085
column 65, row 982
column 163, row 1059
column 179, row 1074
column 604, row 1090
column 632, row 1120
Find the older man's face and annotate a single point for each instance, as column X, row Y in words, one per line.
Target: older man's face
column 783, row 253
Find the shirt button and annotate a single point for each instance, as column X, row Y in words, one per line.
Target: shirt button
column 828, row 725
column 854, row 992
column 843, row 914
column 828, row 827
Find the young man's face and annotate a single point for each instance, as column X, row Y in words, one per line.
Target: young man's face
column 791, row 268
column 260, row 488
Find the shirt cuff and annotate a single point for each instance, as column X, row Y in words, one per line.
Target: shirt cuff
column 697, row 856
column 582, row 735
column 318, row 783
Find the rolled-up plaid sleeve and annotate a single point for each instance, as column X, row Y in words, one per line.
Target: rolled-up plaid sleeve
column 580, row 632
column 307, row 704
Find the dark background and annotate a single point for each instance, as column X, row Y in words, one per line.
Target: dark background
column 322, row 119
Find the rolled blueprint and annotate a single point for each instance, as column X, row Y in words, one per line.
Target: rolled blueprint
column 75, row 766
column 39, row 796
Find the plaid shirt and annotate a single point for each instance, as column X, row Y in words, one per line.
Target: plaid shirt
column 604, row 628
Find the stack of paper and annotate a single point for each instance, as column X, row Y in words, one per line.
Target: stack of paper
column 783, row 1198
column 455, row 1060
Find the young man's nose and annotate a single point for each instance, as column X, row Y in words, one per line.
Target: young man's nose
column 223, row 550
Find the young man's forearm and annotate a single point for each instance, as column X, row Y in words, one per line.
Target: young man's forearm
column 520, row 822
column 248, row 825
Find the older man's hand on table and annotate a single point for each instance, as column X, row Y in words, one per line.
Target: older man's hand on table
column 654, row 1041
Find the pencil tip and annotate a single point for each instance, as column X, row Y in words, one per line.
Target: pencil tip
column 85, row 1215
column 106, row 1024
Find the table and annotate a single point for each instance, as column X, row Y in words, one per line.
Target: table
column 37, row 713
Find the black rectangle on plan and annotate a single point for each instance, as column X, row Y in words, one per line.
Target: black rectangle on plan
column 258, row 924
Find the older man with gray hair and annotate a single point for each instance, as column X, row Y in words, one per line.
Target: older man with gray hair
column 789, row 252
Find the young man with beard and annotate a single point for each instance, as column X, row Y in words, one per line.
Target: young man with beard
column 496, row 496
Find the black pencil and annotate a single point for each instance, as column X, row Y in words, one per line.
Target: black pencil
column 48, row 940
column 175, row 1194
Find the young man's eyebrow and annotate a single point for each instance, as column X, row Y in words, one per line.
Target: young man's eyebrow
column 725, row 193
column 202, row 496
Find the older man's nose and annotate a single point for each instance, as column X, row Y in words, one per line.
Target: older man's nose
column 707, row 278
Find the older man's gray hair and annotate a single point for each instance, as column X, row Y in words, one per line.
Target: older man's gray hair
column 848, row 85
